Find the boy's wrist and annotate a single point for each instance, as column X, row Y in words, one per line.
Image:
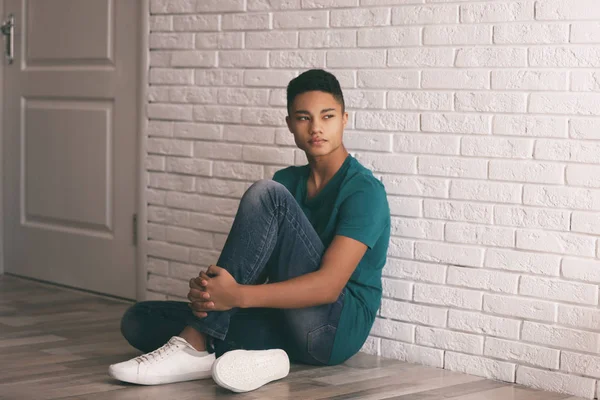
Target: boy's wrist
column 243, row 297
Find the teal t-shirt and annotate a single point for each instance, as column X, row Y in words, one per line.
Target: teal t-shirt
column 353, row 204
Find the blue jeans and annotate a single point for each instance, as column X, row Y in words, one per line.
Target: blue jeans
column 271, row 239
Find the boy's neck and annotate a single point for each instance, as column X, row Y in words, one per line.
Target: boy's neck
column 322, row 169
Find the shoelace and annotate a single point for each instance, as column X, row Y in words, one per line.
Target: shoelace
column 157, row 354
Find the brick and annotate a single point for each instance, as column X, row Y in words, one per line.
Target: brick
column 585, row 81
column 424, row 15
column 387, row 120
column 576, row 104
column 486, row 191
column 213, row 113
column 567, row 150
column 300, row 19
column 167, row 285
column 189, row 166
column 529, row 80
column 560, row 337
column 421, row 57
column 479, row 366
column 484, row 324
column 491, row 102
column 399, row 290
column 583, row 175
column 483, row 279
column 556, row 242
column 328, row 3
column 519, row 307
column 391, row 329
column 160, row 58
column 389, row 37
column 156, row 266
column 455, row 79
column 416, row 313
column 168, row 76
column 448, row 296
column 580, row 364
column 204, row 257
column 184, row 271
column 530, row 217
column 297, row 59
column 521, row 125
column 585, row 32
column 417, row 228
column 268, row 78
column 477, row 234
column 218, row 77
column 502, row 57
column 195, row 95
column 176, row 112
column 370, row 141
column 171, row 41
column 450, row 254
column 158, row 94
column 580, row 317
column 327, row 38
column 360, row 17
column 417, row 271
column 420, row 100
column 172, row 6
column 203, row 204
column 585, row 223
column 161, row 23
column 271, row 40
column 584, row 128
column 168, row 216
column 535, row 263
column 195, row 23
column 267, row 5
column 533, row 33
column 157, row 232
column 427, row 144
column 562, row 197
column 223, row 151
column 371, row 346
column 212, row 223
column 278, row 97
column 244, row 59
column 159, row 128
column 457, row 211
column 242, row 96
column 220, row 5
column 496, row 12
column 168, row 251
column 554, row 289
column 388, row 79
column 246, row 21
column 412, row 353
column 268, row 155
column 457, row 34
column 521, row 353
column 527, row 171
column 194, row 59
column 456, row 123
column 242, row 171
column 186, row 130
column 356, row 58
column 222, row 188
column 154, row 163
column 497, row 147
column 566, row 9
column 582, row 270
column 171, row 182
column 449, row 340
column 347, row 78
column 189, row 237
column 220, row 40
column 451, row 166
column 264, row 116
column 555, row 56
column 400, row 247
column 417, row 186
column 249, row 134
column 396, row 163
column 405, row 206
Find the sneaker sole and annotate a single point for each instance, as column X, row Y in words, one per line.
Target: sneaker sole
column 243, row 371
column 156, row 380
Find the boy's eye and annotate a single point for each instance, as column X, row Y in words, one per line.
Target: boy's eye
column 302, row 118
column 329, row 116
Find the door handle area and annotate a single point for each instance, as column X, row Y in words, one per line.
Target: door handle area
column 8, row 30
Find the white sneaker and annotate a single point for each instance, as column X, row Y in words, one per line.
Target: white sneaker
column 176, row 361
column 246, row 370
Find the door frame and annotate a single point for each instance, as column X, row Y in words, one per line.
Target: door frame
column 141, row 174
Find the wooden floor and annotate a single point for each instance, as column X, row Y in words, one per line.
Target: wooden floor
column 57, row 344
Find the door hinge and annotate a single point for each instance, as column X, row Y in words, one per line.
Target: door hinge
column 135, row 230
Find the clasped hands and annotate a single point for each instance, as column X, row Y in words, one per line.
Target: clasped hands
column 213, row 290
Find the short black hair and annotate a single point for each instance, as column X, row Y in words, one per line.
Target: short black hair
column 315, row 79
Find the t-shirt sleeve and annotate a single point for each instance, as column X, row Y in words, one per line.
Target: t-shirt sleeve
column 364, row 215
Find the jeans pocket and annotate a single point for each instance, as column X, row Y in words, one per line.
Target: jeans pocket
column 320, row 343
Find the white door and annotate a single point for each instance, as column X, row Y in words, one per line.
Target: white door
column 70, row 136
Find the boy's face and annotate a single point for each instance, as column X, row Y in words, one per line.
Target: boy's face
column 317, row 122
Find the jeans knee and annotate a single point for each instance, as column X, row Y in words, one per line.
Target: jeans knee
column 263, row 192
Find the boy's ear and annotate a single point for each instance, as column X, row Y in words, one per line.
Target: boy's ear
column 287, row 121
column 345, row 118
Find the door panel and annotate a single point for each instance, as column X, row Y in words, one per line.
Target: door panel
column 70, row 123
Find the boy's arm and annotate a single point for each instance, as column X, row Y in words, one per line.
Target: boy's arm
column 320, row 287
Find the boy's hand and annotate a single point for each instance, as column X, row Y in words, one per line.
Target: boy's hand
column 215, row 290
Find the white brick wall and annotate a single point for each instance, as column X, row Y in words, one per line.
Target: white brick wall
column 482, row 118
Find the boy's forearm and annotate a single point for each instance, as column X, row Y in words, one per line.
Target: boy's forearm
column 304, row 291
